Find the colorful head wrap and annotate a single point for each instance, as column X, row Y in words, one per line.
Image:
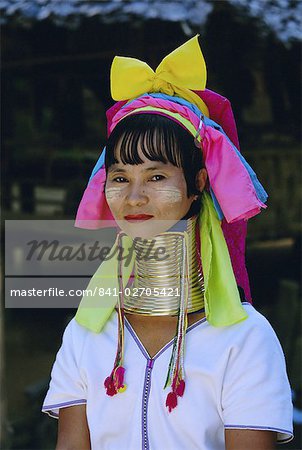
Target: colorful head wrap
column 177, row 90
column 235, row 190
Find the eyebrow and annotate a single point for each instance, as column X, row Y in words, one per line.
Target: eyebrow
column 120, row 170
column 116, row 170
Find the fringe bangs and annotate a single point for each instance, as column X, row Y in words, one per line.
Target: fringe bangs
column 152, row 135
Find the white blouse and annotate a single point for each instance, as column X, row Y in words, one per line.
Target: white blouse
column 235, row 378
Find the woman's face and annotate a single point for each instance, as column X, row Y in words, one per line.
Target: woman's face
column 147, row 199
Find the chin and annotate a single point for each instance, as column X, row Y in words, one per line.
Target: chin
column 146, row 229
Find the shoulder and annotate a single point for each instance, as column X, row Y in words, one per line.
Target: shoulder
column 255, row 338
column 74, row 331
column 78, row 334
column 254, row 323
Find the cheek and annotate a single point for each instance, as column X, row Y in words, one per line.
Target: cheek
column 113, row 194
column 170, row 195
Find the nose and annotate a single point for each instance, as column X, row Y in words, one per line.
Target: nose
column 136, row 195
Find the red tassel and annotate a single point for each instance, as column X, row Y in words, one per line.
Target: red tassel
column 115, row 382
column 180, row 388
column 109, row 386
column 171, row 401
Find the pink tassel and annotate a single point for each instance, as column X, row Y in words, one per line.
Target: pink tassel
column 119, row 377
column 171, row 401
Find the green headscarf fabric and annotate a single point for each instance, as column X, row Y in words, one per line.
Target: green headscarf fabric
column 95, row 310
column 222, row 301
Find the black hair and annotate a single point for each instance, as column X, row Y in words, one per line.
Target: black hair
column 159, row 139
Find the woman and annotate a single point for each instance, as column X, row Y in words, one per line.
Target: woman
column 194, row 366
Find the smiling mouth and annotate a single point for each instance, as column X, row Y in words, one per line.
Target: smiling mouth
column 137, row 217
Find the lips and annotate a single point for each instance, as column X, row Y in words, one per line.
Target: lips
column 137, row 217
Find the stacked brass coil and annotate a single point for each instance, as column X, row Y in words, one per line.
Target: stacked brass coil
column 158, row 276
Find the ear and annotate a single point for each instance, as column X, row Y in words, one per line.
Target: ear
column 201, row 179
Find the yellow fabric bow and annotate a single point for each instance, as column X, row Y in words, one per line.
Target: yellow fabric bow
column 178, row 74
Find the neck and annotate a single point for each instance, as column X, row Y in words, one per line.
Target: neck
column 166, row 268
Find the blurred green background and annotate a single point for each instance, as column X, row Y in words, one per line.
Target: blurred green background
column 56, row 59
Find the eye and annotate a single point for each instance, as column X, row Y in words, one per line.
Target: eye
column 120, row 180
column 158, row 178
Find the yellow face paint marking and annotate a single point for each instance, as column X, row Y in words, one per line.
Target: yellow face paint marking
column 170, row 195
column 113, row 193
